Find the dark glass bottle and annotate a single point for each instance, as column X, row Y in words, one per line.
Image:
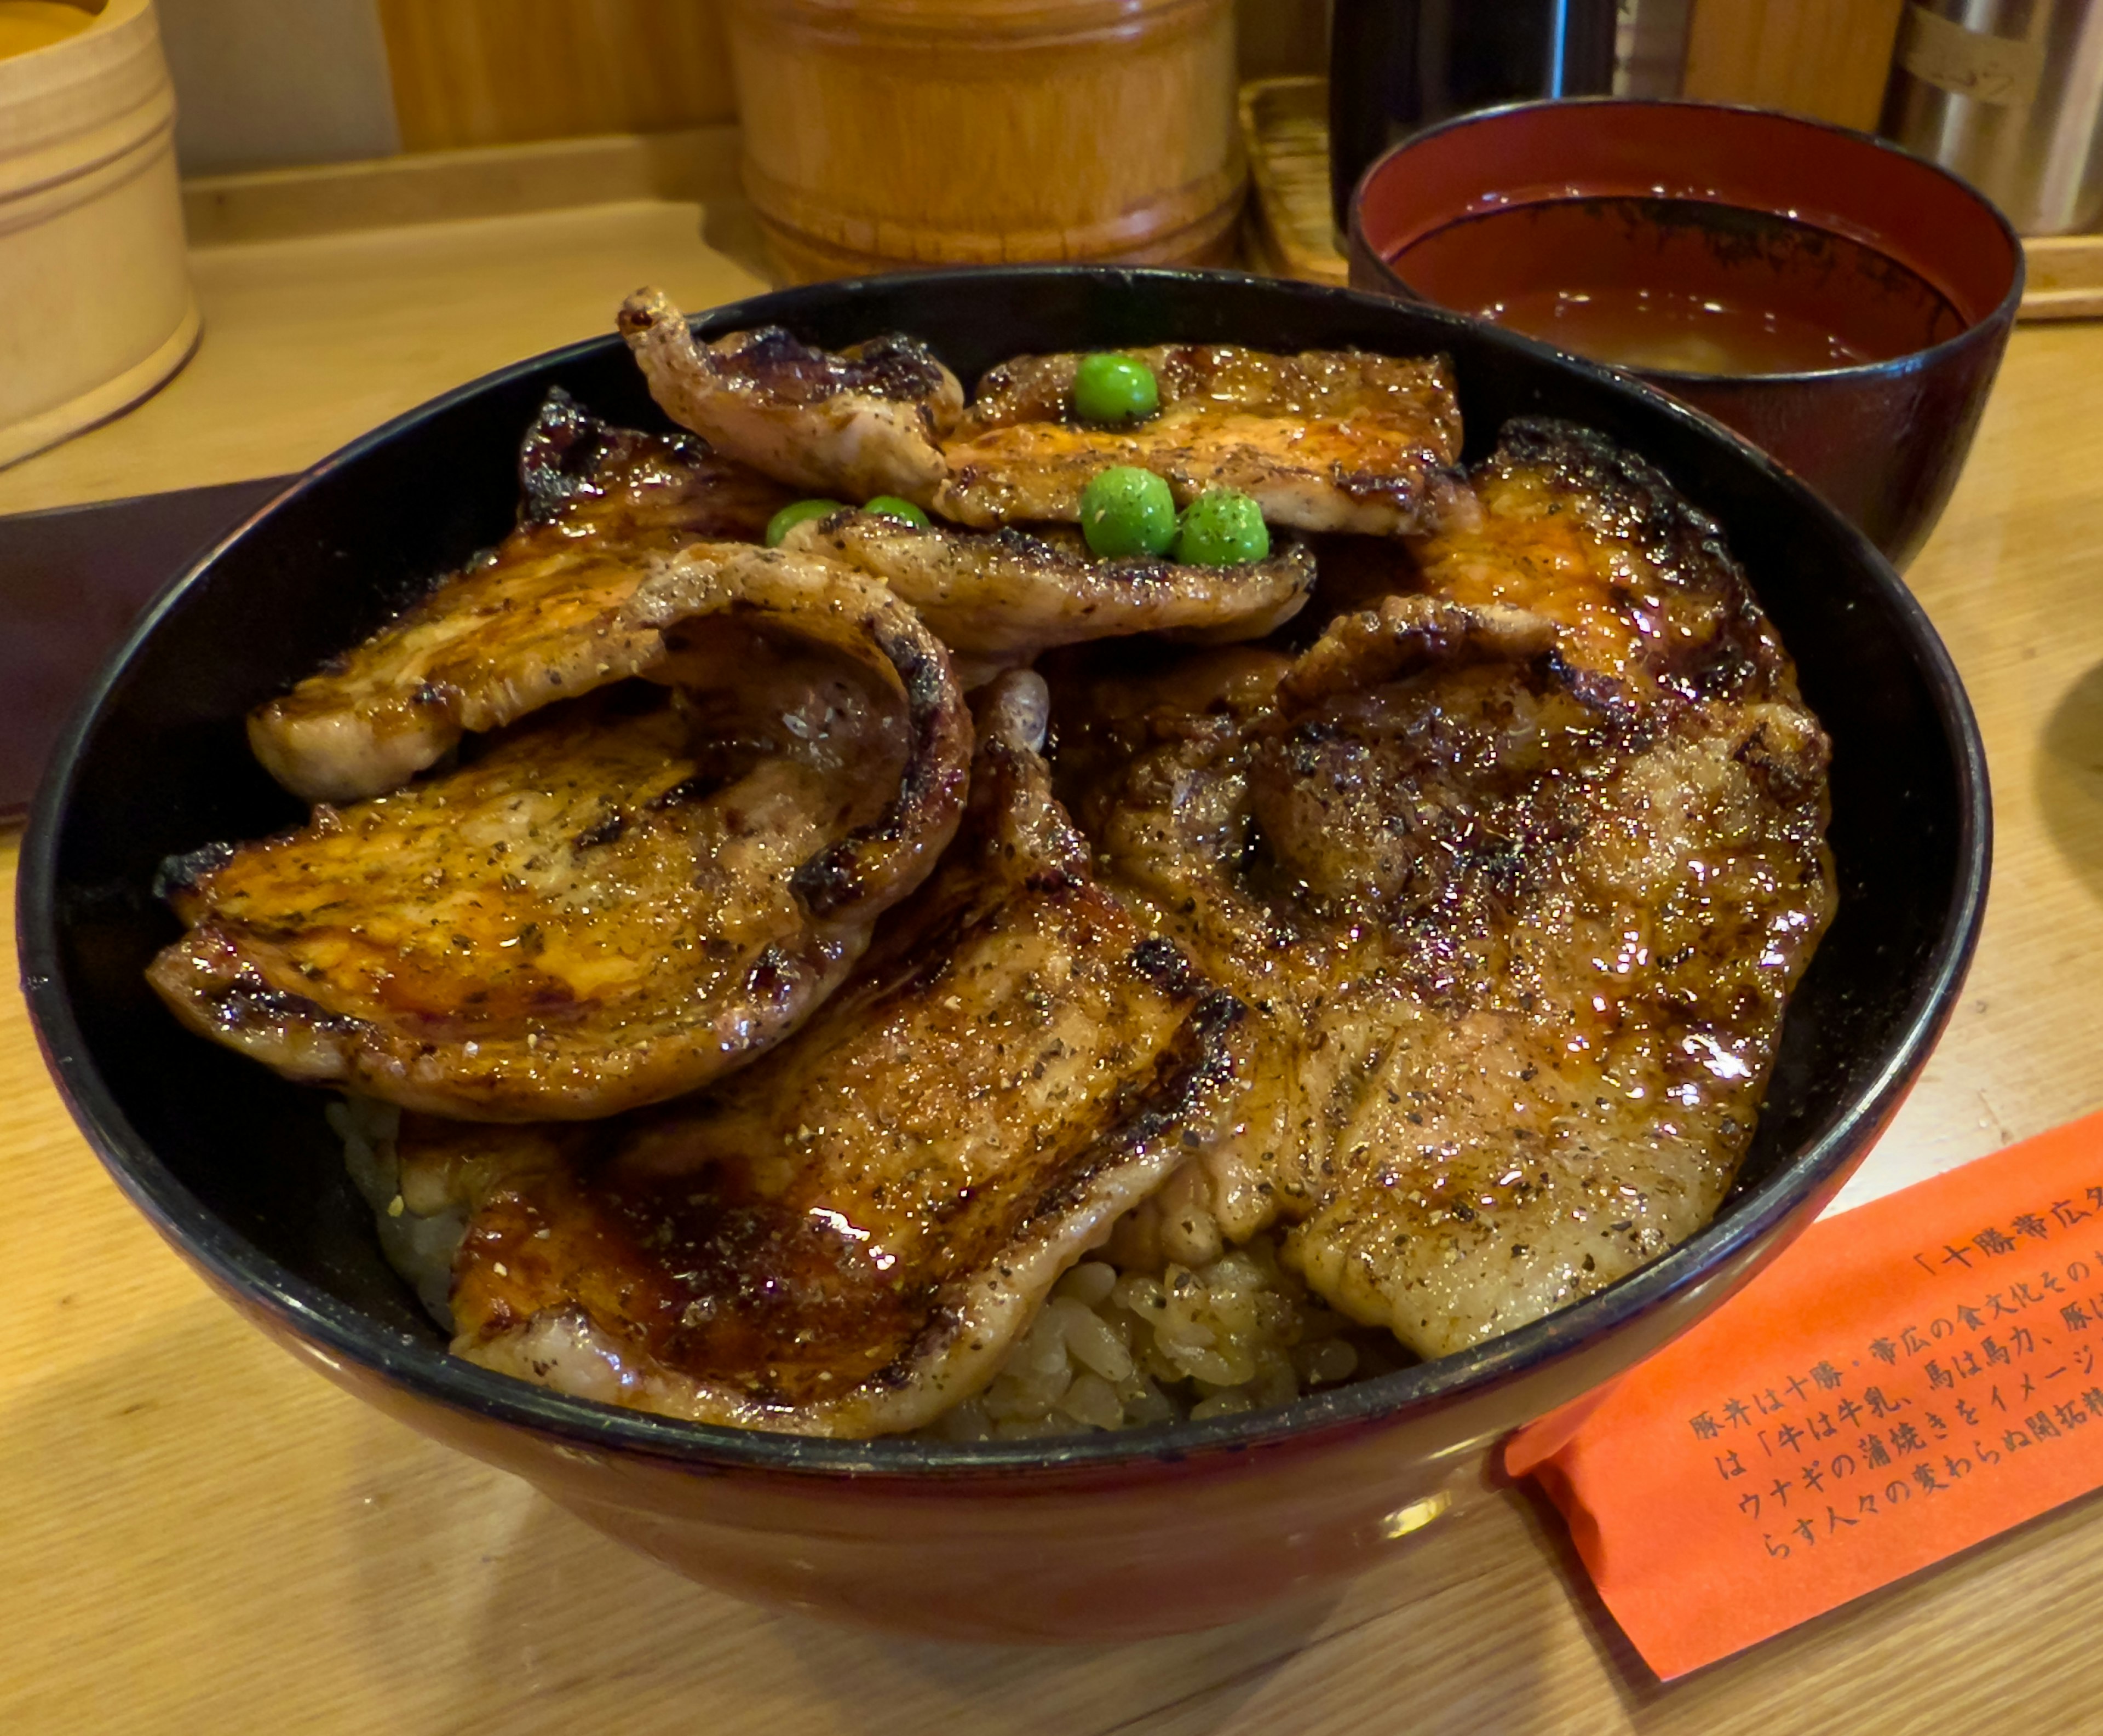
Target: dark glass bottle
column 1397, row 66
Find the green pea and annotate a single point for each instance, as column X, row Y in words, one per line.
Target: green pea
column 1114, row 388
column 1222, row 527
column 891, row 507
column 794, row 514
column 1126, row 510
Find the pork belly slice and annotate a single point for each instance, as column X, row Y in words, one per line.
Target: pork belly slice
column 848, row 1237
column 862, row 422
column 1648, row 604
column 618, row 900
column 1328, row 440
column 546, row 616
column 1516, row 929
column 1555, row 1069
column 997, row 599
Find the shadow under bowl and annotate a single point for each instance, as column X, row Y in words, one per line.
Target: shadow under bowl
column 1101, row 1537
column 1841, row 303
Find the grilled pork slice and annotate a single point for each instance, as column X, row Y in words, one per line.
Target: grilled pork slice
column 849, row 1236
column 1326, row 441
column 998, row 599
column 611, row 905
column 1647, row 602
column 866, row 421
column 545, row 617
column 1518, row 935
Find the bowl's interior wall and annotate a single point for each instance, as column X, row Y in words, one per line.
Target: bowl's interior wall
column 163, row 766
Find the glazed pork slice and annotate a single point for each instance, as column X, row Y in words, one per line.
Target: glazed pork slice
column 865, row 421
column 1517, row 919
column 997, row 599
column 546, row 616
column 616, row 901
column 1590, row 928
column 848, row 1237
column 1325, row 440
column 1647, row 602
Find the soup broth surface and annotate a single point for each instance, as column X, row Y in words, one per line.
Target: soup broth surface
column 1674, row 331
column 1680, row 286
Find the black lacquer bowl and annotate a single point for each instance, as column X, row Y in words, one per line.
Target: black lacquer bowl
column 1103, row 1536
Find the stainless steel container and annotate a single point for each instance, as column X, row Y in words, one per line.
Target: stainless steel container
column 2009, row 94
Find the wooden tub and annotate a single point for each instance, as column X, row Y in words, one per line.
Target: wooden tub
column 886, row 133
column 96, row 307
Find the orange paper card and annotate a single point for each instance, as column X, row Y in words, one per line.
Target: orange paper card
column 1910, row 1378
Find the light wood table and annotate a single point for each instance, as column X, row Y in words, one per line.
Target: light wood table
column 196, row 1534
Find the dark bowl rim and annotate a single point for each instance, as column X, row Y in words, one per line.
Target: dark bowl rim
column 2002, row 314
column 331, row 1329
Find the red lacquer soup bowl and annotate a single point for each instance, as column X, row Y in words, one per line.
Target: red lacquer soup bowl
column 1099, row 1536
column 1841, row 303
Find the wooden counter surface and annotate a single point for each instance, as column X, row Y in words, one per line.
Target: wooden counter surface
column 197, row 1534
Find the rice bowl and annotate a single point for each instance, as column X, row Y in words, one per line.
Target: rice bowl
column 1216, row 1515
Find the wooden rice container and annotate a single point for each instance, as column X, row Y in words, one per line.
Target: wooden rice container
column 96, row 307
column 885, row 134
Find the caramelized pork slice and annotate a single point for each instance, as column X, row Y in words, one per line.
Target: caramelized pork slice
column 1326, row 441
column 1646, row 598
column 1154, row 747
column 545, row 616
column 617, row 901
column 1519, row 938
column 849, row 1236
column 1590, row 927
column 1563, row 1099
column 997, row 599
column 865, row 421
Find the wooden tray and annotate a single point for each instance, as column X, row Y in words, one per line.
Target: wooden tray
column 72, row 580
column 1285, row 127
column 2065, row 279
